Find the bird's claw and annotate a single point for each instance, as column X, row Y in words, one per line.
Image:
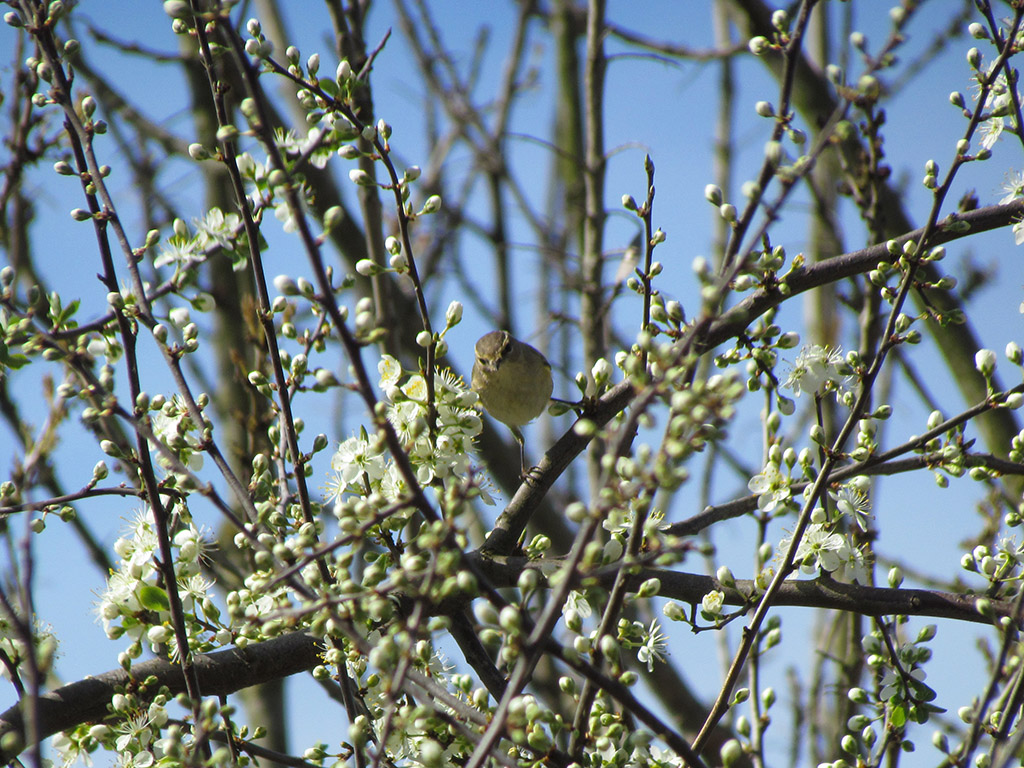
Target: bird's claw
column 530, row 476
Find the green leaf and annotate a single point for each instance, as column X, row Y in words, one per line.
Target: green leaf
column 63, row 318
column 328, row 86
column 922, row 692
column 7, row 360
column 898, row 716
column 154, row 598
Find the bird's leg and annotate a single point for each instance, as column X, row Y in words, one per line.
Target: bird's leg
column 526, row 473
column 517, row 433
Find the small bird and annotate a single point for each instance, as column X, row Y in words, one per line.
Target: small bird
column 513, row 381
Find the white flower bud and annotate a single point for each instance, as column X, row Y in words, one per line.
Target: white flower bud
column 758, row 45
column 454, row 314
column 985, row 362
column 203, row 302
column 360, row 177
column 1013, row 353
column 333, row 217
column 158, row 634
column 367, row 268
column 227, row 133
column 725, row 577
column 869, row 85
column 978, row 31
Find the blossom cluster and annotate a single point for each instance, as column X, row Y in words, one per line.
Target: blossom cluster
column 362, row 469
column 216, row 230
column 819, row 369
column 829, row 543
column 135, row 602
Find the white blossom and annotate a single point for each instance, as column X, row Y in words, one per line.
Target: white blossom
column 771, row 486
column 819, row 369
column 711, row 604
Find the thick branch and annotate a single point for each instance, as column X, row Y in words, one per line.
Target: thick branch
column 737, row 318
column 818, row 593
column 229, row 671
column 219, row 674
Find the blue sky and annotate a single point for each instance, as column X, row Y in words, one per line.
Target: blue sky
column 654, row 107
